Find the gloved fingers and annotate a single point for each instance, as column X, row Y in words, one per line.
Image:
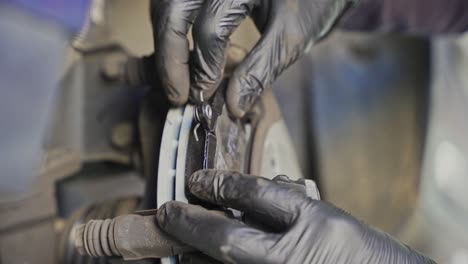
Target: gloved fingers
column 258, row 197
column 222, row 238
column 171, row 21
column 217, row 20
column 274, row 52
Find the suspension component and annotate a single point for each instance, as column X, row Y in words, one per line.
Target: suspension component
column 130, row 236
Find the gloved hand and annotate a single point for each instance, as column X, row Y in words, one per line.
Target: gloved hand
column 306, row 230
column 288, row 28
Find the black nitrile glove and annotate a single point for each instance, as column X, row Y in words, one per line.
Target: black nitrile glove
column 288, row 28
column 306, row 230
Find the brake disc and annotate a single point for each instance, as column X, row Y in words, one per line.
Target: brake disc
column 258, row 145
column 199, row 137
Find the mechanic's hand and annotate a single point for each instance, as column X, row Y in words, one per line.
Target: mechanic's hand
column 288, row 28
column 306, row 230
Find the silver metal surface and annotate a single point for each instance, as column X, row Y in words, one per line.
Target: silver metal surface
column 279, row 157
column 168, row 156
column 168, row 187
column 184, row 135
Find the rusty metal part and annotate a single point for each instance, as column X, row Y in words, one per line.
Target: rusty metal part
column 90, row 107
column 218, row 142
column 264, row 114
column 131, row 237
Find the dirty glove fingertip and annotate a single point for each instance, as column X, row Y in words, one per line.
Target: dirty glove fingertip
column 162, row 216
column 240, row 97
